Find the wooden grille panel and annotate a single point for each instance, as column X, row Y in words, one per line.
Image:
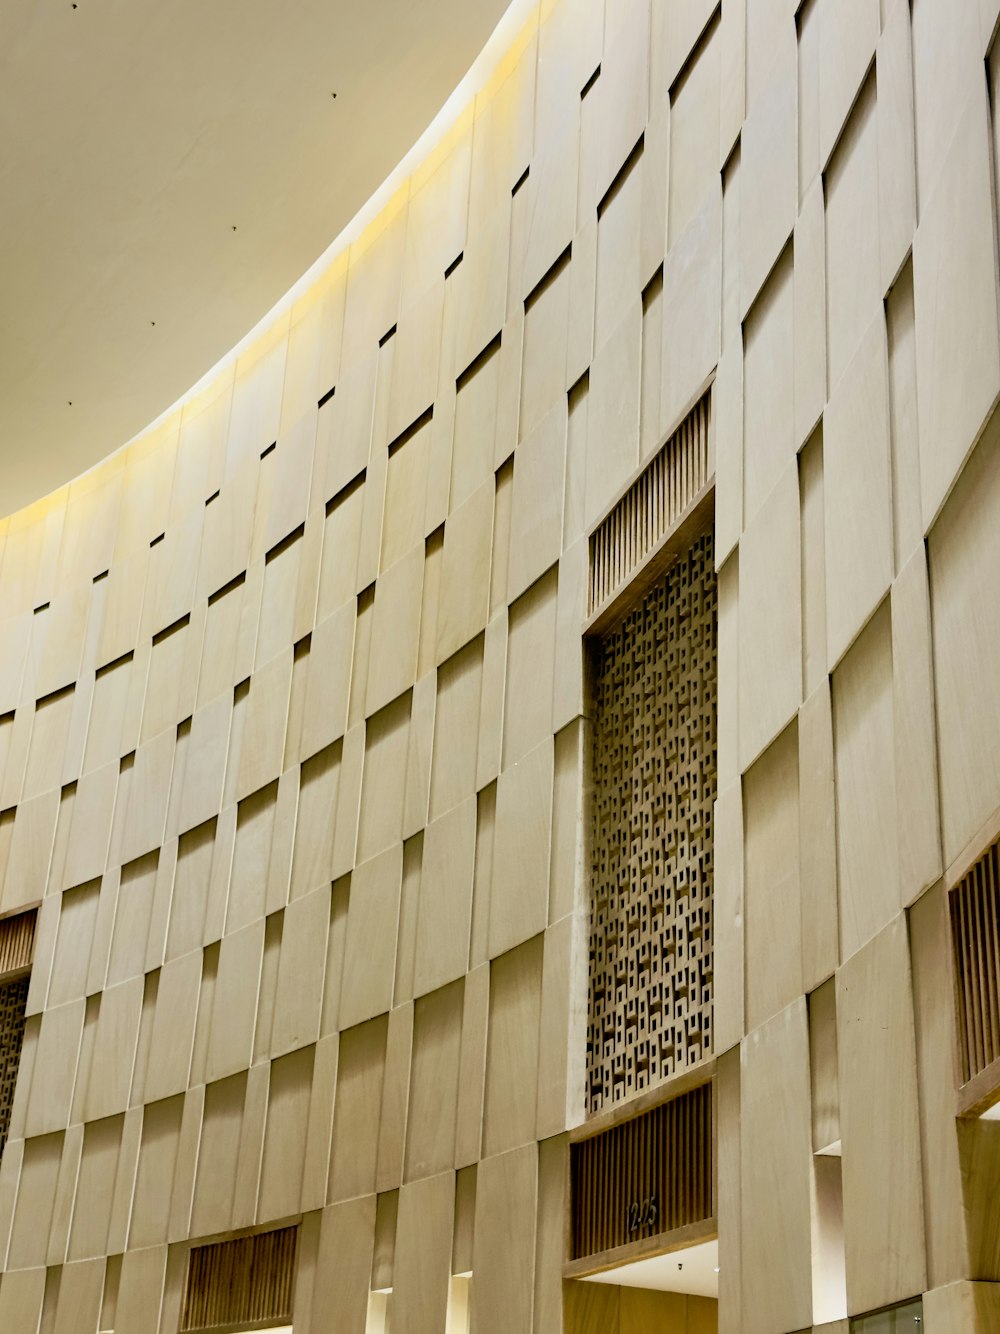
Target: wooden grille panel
column 654, row 767
column 17, row 942
column 245, row 1283
column 651, row 506
column 13, row 1001
column 975, row 926
column 647, row 1177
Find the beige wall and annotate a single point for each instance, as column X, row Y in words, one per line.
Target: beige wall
column 292, row 742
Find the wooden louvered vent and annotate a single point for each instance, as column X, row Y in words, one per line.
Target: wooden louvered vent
column 975, row 928
column 636, row 538
column 17, row 944
column 645, row 1185
column 243, row 1284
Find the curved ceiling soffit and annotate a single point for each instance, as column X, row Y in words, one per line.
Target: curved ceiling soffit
column 175, row 171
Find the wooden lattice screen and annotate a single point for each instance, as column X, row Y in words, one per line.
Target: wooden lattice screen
column 654, row 772
column 656, row 501
column 17, row 945
column 242, row 1284
column 975, row 927
column 645, row 1178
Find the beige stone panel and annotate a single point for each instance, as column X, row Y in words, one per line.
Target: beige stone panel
column 110, row 1077
column 256, row 407
column 567, row 877
column 21, row 1296
column 772, row 880
column 228, row 528
column 510, row 1100
column 546, row 330
column 504, row 1246
column 770, row 622
column 187, row 1161
column 81, row 1290
column 728, row 1016
column 465, row 572
column 36, row 1193
column 537, row 501
column 954, row 276
column 651, row 368
column 768, row 171
column 345, row 830
column 768, row 25
column 530, row 669
column 10, row 1171
column 880, row 1125
column 475, row 425
column 344, row 1265
column 456, row 729
column 133, row 913
column 395, row 630
column 731, row 318
column 158, row 1155
column 907, row 517
column 727, row 627
column 360, row 1076
column 316, row 803
column 897, row 183
column 775, row 1163
column 140, row 1291
column 613, row 415
column 472, row 1066
column 49, row 736
column 234, row 1004
column 568, row 689
column 817, row 839
column 285, row 1135
column 255, row 833
column 409, row 907
column 964, row 553
column 375, row 277
column 562, row 1027
column 405, row 493
column 769, row 351
column 67, row 1180
column 727, row 407
column 215, row 1183
column 267, row 986
column 94, row 1187
column 221, row 659
column 205, row 766
column 416, row 794
column 810, row 313
column 108, row 714
column 732, row 77
column 299, row 996
column 148, row 792
column 434, row 1082
column 913, row 730
column 728, row 1191
column 192, row 886
column 692, row 309
column 77, row 915
column 947, row 60
column 518, row 907
column 619, row 225
column 415, row 357
column 853, row 274
column 172, row 1041
column 59, row 663
column 422, row 1264
column 328, row 683
column 372, row 919
column 864, row 758
column 583, row 277
column 972, row 1307
column 813, row 541
column 619, row 99
column 380, row 821
column 695, row 102
column 856, row 492
column 847, row 37
column 263, row 744
column 339, row 559
column 934, row 1027
column 445, row 905
column 395, row 1093
column 315, row 1172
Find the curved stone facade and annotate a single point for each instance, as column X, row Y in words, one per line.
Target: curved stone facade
column 295, row 743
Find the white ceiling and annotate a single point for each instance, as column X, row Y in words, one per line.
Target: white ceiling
column 134, row 136
column 694, row 1270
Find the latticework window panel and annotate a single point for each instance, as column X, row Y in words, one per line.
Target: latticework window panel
column 13, row 1001
column 654, row 771
column 645, row 1178
column 975, row 926
column 242, row 1284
